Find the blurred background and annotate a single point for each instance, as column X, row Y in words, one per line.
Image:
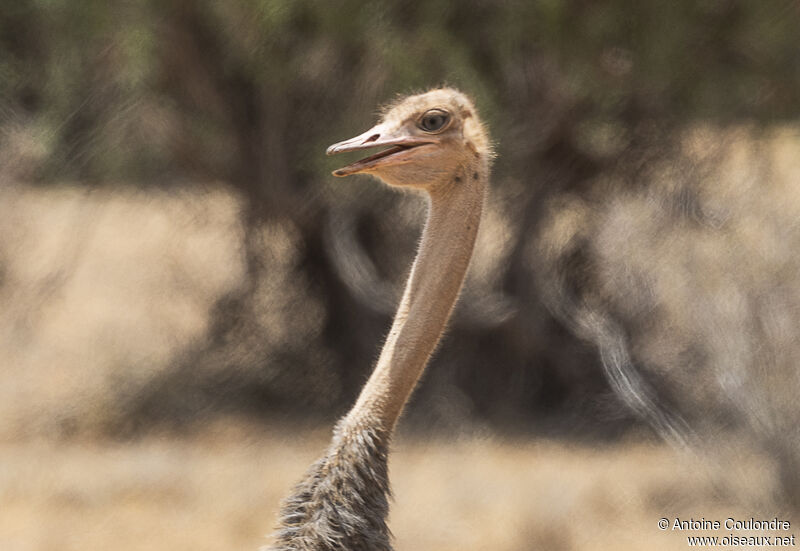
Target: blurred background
column 190, row 299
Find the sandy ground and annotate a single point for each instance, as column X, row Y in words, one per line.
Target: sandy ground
column 220, row 490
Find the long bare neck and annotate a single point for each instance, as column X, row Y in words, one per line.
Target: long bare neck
column 433, row 286
column 344, row 496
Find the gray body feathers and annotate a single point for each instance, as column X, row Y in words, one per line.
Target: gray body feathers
column 343, row 501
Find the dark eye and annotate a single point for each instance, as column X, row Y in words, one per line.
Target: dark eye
column 434, row 120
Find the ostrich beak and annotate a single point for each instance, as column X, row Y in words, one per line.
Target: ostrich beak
column 399, row 140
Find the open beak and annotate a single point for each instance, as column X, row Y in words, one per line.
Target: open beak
column 399, row 143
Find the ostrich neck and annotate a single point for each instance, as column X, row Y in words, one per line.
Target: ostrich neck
column 433, row 286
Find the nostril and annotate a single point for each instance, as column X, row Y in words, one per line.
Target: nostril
column 372, row 138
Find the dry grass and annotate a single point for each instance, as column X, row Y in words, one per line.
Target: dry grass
column 220, row 490
column 100, row 289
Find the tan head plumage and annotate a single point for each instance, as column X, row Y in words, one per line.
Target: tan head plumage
column 429, row 137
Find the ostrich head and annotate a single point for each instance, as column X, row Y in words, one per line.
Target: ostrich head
column 427, row 138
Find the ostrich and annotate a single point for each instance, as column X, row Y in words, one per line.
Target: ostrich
column 434, row 143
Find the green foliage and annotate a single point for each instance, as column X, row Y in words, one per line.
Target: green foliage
column 87, row 70
column 250, row 93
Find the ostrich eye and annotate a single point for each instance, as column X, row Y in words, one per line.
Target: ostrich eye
column 434, row 120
